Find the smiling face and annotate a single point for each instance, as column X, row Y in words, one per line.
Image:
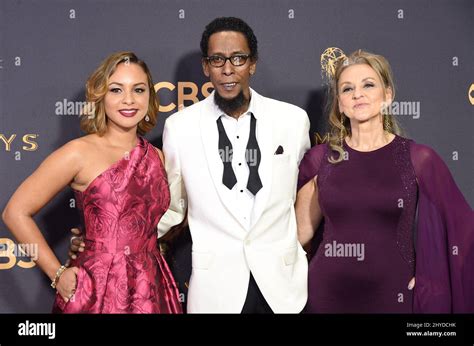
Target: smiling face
column 127, row 97
column 229, row 80
column 361, row 93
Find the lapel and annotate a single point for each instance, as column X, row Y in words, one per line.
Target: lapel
column 265, row 140
column 210, row 142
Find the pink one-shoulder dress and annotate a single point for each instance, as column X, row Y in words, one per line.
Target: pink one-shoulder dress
column 122, row 269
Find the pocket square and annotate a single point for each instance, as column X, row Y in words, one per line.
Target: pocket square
column 279, row 150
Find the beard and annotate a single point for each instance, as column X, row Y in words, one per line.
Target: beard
column 230, row 106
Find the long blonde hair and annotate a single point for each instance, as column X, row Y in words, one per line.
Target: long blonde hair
column 339, row 124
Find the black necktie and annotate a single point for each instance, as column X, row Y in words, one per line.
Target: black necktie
column 225, row 152
column 253, row 152
column 253, row 158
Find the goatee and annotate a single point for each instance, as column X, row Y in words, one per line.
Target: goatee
column 230, row 106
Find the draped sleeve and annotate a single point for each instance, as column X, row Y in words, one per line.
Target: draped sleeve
column 444, row 238
column 311, row 163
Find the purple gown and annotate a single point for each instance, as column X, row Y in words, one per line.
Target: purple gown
column 121, row 269
column 373, row 241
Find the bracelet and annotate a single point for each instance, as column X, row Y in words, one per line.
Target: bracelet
column 58, row 275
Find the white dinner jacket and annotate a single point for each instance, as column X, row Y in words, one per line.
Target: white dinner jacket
column 223, row 251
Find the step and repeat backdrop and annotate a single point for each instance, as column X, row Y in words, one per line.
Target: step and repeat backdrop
column 49, row 48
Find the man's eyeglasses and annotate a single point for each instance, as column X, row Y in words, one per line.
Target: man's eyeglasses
column 236, row 60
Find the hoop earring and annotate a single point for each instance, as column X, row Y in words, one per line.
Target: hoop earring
column 147, row 118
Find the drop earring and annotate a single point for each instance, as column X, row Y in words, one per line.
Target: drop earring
column 341, row 132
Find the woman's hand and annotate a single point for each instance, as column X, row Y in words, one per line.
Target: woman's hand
column 67, row 283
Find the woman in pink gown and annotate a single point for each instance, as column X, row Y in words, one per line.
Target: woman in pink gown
column 121, row 191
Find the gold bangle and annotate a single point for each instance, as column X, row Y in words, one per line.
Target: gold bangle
column 58, row 275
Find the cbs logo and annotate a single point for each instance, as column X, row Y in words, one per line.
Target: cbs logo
column 191, row 94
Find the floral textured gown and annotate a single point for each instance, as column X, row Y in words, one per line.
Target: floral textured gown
column 121, row 269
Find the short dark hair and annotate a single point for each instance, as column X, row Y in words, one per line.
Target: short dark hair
column 229, row 24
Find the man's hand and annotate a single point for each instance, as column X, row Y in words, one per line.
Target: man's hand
column 77, row 244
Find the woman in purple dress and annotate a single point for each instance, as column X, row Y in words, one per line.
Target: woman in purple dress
column 392, row 231
column 121, row 190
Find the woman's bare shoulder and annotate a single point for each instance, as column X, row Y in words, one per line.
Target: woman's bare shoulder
column 76, row 150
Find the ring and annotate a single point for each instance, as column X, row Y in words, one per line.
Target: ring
column 72, row 239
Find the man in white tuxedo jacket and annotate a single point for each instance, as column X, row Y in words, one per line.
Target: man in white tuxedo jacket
column 232, row 162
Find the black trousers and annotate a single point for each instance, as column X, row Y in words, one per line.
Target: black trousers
column 255, row 303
